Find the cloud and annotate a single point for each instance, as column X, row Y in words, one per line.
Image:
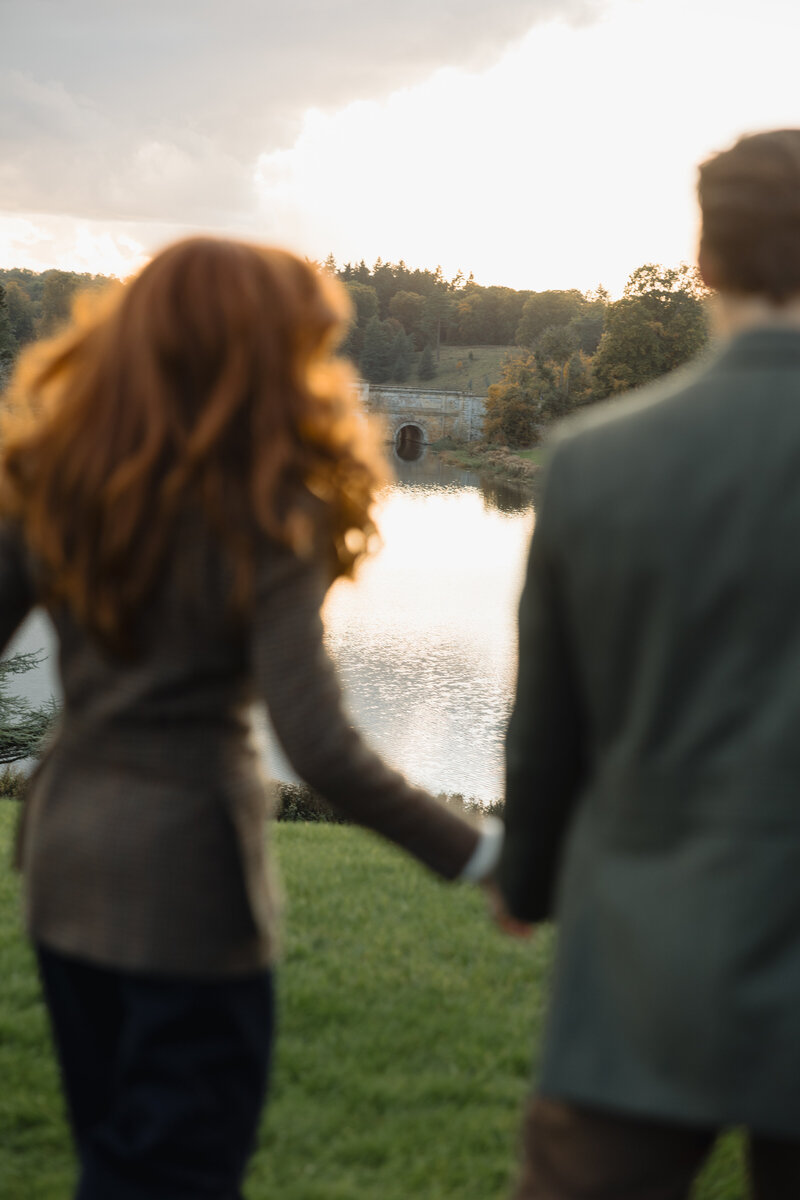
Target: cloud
column 72, row 245
column 158, row 111
column 555, row 167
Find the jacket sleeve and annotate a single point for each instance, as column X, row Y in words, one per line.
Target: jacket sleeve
column 17, row 596
column 545, row 748
column 298, row 681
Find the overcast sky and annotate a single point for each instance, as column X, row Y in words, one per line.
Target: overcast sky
column 538, row 143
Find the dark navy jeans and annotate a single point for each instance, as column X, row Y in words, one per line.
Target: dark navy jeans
column 165, row 1078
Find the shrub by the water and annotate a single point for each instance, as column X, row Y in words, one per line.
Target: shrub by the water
column 12, row 783
column 293, row 801
column 468, row 804
column 298, row 802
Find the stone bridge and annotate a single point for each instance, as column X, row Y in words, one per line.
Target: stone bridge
column 424, row 415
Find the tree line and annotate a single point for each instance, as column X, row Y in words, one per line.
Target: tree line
column 573, row 348
column 659, row 324
column 33, row 304
column 566, row 348
column 400, row 312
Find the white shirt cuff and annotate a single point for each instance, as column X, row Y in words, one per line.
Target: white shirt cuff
column 486, row 855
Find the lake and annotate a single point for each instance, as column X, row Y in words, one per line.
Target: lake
column 425, row 638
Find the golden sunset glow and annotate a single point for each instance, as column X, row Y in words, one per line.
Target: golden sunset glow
column 565, row 158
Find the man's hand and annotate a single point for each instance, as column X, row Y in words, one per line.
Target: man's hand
column 500, row 914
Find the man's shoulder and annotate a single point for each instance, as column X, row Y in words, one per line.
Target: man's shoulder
column 635, row 444
column 648, row 411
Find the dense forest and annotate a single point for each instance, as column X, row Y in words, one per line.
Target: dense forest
column 659, row 323
column 564, row 348
column 34, row 304
column 399, row 311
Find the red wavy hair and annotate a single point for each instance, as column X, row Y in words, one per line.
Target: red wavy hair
column 208, row 381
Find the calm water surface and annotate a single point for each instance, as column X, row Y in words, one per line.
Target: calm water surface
column 425, row 639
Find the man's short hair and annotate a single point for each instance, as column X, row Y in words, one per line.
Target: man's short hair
column 750, row 201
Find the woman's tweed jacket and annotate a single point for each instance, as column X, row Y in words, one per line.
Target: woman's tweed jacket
column 143, row 840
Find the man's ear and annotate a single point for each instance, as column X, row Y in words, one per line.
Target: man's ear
column 707, row 266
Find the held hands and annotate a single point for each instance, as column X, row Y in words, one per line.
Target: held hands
column 481, row 869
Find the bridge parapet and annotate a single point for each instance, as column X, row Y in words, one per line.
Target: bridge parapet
column 438, row 414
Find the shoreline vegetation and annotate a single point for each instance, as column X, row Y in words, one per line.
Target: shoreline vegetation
column 409, row 1028
column 298, row 802
column 520, row 469
column 292, row 802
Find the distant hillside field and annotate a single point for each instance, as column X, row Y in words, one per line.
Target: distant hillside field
column 456, row 371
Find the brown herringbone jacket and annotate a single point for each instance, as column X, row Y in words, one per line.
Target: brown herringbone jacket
column 143, row 840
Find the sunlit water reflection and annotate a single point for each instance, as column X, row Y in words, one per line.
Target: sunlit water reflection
column 425, row 638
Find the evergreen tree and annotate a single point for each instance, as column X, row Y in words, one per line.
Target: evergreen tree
column 427, row 367
column 352, row 343
column 21, row 726
column 21, row 312
column 57, row 293
column 402, row 348
column 375, row 363
column 439, row 306
column 361, row 273
column 407, row 308
column 8, row 343
column 364, row 300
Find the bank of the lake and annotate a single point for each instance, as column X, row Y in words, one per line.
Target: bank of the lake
column 407, row 1030
column 520, row 469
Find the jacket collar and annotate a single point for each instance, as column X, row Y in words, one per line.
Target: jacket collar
column 763, row 346
column 753, row 331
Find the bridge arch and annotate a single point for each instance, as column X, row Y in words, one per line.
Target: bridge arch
column 439, row 414
column 410, row 440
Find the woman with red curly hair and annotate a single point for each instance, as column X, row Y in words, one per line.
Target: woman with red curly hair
column 182, row 475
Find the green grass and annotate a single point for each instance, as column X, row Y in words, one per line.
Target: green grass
column 456, row 371
column 458, row 456
column 536, row 455
column 406, row 1034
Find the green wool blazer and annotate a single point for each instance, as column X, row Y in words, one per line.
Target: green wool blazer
column 653, row 755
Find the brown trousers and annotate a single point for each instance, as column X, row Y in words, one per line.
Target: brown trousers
column 576, row 1153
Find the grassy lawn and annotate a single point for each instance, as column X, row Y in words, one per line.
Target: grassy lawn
column 407, row 1031
column 537, row 455
column 456, row 371
column 463, row 458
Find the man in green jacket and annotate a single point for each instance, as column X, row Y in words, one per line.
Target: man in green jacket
column 653, row 803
